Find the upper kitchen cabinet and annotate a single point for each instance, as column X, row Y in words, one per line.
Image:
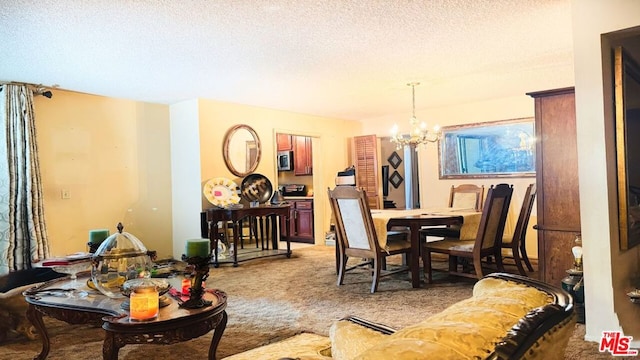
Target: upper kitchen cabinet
column 284, row 142
column 302, row 155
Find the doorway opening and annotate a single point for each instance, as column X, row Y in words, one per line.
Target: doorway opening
column 294, row 159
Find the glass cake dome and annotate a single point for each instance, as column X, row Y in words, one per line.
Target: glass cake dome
column 119, row 258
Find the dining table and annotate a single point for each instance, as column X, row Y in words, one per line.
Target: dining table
column 415, row 219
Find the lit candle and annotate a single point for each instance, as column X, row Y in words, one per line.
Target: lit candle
column 97, row 236
column 143, row 303
column 198, row 247
column 186, row 285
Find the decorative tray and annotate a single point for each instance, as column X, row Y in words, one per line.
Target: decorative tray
column 257, row 187
column 221, row 192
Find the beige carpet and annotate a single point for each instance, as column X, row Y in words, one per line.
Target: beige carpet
column 271, row 299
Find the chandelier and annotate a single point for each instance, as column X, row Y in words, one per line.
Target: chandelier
column 418, row 134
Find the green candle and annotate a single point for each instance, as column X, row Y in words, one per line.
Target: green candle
column 97, row 236
column 198, row 247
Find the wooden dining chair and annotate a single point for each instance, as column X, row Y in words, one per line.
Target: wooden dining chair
column 488, row 241
column 514, row 247
column 357, row 238
column 464, row 196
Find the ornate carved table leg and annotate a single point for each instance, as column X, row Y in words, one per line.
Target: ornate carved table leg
column 110, row 347
column 217, row 335
column 35, row 317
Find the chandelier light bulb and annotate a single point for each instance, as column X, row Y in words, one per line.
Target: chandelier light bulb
column 418, row 133
column 394, row 130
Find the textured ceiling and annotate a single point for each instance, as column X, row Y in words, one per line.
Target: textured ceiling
column 337, row 58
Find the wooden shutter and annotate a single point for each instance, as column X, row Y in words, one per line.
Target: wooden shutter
column 365, row 159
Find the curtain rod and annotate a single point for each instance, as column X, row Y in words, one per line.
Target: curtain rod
column 38, row 89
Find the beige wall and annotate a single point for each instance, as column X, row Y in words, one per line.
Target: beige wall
column 112, row 156
column 608, row 270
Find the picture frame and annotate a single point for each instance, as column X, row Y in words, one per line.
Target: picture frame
column 494, row 149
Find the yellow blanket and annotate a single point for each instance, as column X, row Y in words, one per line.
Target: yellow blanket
column 468, row 230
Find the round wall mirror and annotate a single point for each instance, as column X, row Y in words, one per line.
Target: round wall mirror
column 241, row 150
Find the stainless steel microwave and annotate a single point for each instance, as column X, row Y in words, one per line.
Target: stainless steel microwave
column 285, row 160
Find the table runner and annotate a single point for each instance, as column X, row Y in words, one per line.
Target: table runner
column 468, row 230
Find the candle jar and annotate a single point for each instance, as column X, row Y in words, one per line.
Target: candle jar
column 186, row 285
column 143, row 303
column 198, row 248
column 96, row 237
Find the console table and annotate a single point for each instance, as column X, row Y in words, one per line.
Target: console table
column 235, row 216
column 173, row 324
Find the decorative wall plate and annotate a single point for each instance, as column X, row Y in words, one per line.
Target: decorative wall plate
column 221, row 192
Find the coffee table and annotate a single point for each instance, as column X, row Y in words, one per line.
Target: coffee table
column 173, row 324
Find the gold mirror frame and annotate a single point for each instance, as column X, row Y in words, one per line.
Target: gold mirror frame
column 252, row 151
column 494, row 149
column 627, row 88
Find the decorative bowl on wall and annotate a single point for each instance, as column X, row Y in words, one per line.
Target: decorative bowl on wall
column 256, row 187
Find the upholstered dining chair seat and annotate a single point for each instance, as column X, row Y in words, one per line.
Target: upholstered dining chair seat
column 394, row 245
column 453, row 245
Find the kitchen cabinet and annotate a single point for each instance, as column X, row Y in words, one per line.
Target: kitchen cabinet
column 301, row 221
column 284, row 142
column 302, row 155
column 558, row 198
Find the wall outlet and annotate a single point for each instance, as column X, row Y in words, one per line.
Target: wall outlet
column 65, row 194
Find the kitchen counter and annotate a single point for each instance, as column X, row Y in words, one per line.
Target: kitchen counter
column 298, row 197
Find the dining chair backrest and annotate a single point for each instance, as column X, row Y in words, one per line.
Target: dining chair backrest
column 516, row 242
column 520, row 231
column 354, row 224
column 466, row 196
column 493, row 219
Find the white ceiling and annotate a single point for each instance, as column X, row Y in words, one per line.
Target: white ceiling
column 336, row 58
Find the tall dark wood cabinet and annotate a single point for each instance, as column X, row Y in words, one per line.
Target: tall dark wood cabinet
column 557, row 182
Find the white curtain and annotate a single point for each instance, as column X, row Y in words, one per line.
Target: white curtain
column 23, row 235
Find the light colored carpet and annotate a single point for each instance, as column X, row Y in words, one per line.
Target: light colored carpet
column 274, row 298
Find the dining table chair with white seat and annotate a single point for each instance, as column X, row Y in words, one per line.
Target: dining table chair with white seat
column 357, row 237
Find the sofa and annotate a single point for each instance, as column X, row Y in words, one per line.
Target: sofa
column 508, row 317
column 13, row 307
